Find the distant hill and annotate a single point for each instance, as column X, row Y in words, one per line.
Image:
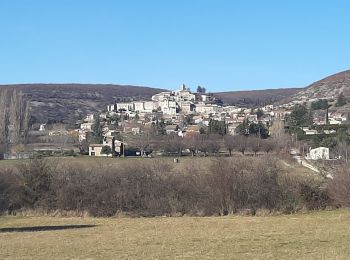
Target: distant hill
column 67, row 102
column 256, row 97
column 328, row 88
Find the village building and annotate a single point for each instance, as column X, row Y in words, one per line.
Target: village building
column 320, row 153
column 117, row 148
column 171, row 129
column 86, row 126
column 96, row 150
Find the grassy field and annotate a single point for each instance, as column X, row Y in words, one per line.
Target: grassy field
column 318, row 235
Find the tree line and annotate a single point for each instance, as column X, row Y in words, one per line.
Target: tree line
column 156, row 188
column 202, row 144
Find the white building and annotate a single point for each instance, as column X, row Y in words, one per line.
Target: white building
column 231, row 129
column 333, row 121
column 96, row 150
column 125, row 106
column 42, row 127
column 206, row 108
column 162, row 96
column 184, row 94
column 111, row 108
column 81, row 134
column 169, row 110
column 90, row 118
column 86, row 126
column 150, row 106
column 139, row 106
column 116, row 146
column 319, row 153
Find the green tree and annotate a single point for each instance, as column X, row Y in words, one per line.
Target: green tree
column 342, row 135
column 259, row 113
column 329, row 142
column 243, row 128
column 97, row 128
column 229, row 142
column 188, row 120
column 201, row 89
column 341, row 101
column 300, row 116
column 84, row 147
column 217, row 127
column 106, row 150
column 319, row 104
column 159, row 127
column 259, row 130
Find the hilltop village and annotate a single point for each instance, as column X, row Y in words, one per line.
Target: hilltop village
column 184, row 122
column 184, row 113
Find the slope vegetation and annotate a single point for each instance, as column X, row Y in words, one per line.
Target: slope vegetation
column 256, row 97
column 67, row 102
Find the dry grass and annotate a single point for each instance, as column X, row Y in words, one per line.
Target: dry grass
column 319, row 235
column 86, row 161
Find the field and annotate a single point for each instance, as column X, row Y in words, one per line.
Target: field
column 315, row 235
column 318, row 235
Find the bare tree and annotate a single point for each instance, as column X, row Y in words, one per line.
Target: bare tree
column 341, row 151
column 241, row 143
column 202, row 141
column 254, row 144
column 174, row 144
column 339, row 187
column 142, row 142
column 4, row 120
column 212, row 143
column 283, row 143
column 268, row 145
column 192, row 143
column 14, row 118
column 229, row 142
column 18, row 118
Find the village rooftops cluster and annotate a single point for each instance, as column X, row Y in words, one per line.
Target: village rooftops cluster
column 183, row 112
column 171, row 103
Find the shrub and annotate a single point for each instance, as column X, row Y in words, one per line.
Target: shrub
column 36, row 176
column 339, row 187
column 10, row 199
column 155, row 188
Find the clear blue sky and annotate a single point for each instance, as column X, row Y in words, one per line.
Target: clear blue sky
column 218, row 44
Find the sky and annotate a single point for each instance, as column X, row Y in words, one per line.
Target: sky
column 221, row 45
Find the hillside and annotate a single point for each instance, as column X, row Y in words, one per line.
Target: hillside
column 256, row 97
column 67, row 102
column 328, row 88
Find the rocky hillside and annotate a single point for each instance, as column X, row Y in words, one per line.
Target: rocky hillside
column 328, row 88
column 256, row 97
column 68, row 102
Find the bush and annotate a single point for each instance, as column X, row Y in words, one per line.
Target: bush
column 249, row 184
column 314, row 197
column 156, row 188
column 10, row 193
column 339, row 187
column 36, row 176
